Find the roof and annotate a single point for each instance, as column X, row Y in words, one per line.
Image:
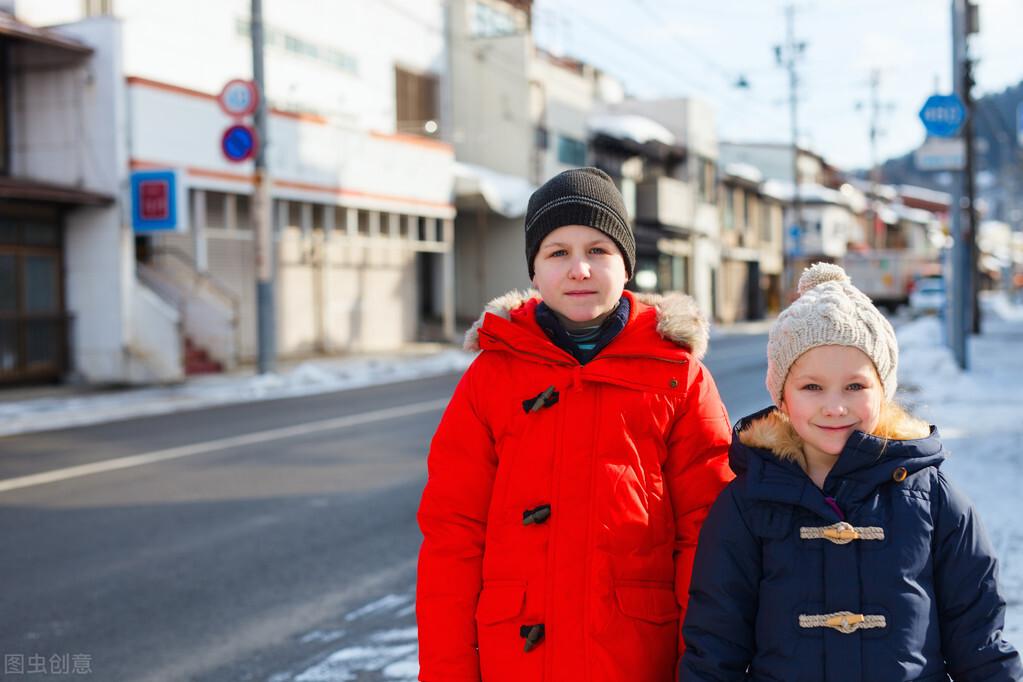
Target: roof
column 35, row 190
column 16, row 30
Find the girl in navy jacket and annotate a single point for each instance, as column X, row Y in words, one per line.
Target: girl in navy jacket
column 841, row 552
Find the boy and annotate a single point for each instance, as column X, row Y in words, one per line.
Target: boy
column 573, row 467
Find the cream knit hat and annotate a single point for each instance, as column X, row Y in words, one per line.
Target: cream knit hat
column 830, row 311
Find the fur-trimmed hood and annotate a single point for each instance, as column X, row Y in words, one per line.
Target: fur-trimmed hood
column 898, row 435
column 678, row 318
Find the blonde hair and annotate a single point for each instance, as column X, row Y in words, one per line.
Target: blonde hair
column 896, row 423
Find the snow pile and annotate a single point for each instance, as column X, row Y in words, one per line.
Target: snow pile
column 980, row 419
column 308, row 378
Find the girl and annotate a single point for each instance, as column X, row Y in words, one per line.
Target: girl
column 841, row 552
column 573, row 467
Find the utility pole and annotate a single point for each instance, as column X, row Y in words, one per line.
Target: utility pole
column 968, row 103
column 265, row 325
column 876, row 234
column 960, row 276
column 786, row 56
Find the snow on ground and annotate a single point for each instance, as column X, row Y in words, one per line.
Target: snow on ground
column 307, row 378
column 980, row 417
column 978, row 413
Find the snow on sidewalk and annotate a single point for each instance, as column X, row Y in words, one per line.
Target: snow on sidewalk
column 980, row 418
column 308, row 378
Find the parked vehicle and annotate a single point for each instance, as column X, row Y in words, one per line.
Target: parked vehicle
column 886, row 276
column 928, row 296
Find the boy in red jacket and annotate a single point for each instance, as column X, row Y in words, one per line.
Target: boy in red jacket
column 573, row 467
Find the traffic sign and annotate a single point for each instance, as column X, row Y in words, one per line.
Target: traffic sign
column 238, row 143
column 239, row 98
column 155, row 202
column 941, row 154
column 943, row 115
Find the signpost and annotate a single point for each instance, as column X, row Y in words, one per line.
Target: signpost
column 239, row 98
column 1019, row 123
column 943, row 115
column 941, row 154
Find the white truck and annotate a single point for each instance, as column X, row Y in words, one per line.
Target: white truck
column 887, row 276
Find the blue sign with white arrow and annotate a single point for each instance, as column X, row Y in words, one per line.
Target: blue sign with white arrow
column 943, row 115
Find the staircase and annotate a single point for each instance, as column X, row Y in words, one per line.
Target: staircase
column 198, row 361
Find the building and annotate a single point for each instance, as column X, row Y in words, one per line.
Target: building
column 361, row 177
column 519, row 117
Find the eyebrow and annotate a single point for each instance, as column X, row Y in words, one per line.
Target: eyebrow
column 813, row 377
column 563, row 245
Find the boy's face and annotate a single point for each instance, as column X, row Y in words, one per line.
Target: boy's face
column 830, row 392
column 580, row 273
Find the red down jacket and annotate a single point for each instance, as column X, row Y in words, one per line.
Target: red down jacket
column 580, row 516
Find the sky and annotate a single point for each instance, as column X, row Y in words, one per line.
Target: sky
column 699, row 48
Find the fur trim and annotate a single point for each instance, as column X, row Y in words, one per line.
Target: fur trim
column 500, row 306
column 679, row 321
column 678, row 318
column 775, row 432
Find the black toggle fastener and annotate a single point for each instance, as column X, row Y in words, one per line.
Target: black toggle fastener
column 545, row 399
column 536, row 514
column 532, row 634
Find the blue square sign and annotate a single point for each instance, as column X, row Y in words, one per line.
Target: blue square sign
column 154, row 202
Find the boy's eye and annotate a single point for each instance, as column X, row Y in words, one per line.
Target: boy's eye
column 559, row 252
column 598, row 249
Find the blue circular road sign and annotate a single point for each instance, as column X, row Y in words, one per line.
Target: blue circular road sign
column 239, row 143
column 943, row 115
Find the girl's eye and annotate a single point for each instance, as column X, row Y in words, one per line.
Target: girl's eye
column 855, row 387
column 812, row 387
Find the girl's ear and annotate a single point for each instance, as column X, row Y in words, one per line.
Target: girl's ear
column 782, row 407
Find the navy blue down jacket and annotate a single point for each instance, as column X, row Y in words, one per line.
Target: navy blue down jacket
column 885, row 575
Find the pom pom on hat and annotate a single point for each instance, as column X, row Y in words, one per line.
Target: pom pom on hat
column 830, row 311
column 819, row 273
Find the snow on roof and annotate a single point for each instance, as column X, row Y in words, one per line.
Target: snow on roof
column 631, row 127
column 808, row 193
column 744, row 171
column 924, row 194
column 506, row 194
column 916, row 215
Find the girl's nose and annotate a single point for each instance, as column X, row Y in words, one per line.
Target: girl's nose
column 835, row 410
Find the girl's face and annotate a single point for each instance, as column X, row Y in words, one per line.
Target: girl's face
column 580, row 273
column 830, row 392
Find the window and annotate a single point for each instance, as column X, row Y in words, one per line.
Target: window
column 541, row 137
column 706, row 179
column 571, row 151
column 490, row 22
column 216, row 210
column 415, row 98
column 98, row 8
column 766, row 223
column 728, row 210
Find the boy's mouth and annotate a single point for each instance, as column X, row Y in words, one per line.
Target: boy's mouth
column 580, row 293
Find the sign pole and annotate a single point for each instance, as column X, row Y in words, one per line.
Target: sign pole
column 266, row 326
column 959, row 280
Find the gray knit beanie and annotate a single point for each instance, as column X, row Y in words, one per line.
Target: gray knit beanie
column 581, row 196
column 830, row 311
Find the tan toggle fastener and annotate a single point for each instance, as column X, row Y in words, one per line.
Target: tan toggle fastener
column 841, row 533
column 845, row 622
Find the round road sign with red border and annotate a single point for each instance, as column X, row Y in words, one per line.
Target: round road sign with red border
column 239, row 143
column 239, row 98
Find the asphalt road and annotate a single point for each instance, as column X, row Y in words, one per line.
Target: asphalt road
column 234, row 543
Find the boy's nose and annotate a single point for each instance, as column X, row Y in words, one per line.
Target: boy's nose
column 579, row 270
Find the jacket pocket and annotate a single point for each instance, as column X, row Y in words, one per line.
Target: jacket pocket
column 653, row 603
column 500, row 602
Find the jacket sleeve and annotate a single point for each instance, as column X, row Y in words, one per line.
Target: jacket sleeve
column 720, row 626
column 971, row 612
column 452, row 517
column 696, row 471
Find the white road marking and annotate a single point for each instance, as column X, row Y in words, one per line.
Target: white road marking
column 220, row 444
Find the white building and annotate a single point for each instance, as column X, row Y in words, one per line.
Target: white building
column 361, row 181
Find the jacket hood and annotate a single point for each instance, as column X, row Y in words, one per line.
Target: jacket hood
column 678, row 318
column 767, row 448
